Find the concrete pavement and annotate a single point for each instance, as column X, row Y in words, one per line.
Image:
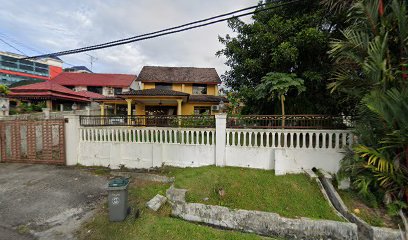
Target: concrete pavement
column 46, row 202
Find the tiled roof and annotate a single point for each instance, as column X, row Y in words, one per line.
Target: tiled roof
column 206, row 98
column 47, row 95
column 91, row 95
column 46, row 90
column 94, row 79
column 154, row 92
column 41, row 86
column 108, row 98
column 179, row 75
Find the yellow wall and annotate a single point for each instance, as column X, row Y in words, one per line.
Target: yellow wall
column 149, row 85
column 188, row 88
column 185, row 87
column 211, row 90
column 188, row 108
column 177, row 87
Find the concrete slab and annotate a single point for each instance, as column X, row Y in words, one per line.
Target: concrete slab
column 156, row 202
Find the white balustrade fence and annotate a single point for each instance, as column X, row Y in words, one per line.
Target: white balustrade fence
column 285, row 151
column 148, row 135
column 300, row 139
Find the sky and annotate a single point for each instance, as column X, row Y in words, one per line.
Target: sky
column 38, row 27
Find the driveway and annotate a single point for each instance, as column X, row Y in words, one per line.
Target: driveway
column 46, row 202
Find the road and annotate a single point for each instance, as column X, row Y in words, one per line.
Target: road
column 46, row 202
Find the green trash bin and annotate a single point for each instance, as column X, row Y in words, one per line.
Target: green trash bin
column 118, row 199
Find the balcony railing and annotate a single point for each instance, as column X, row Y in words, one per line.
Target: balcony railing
column 201, row 121
column 290, row 121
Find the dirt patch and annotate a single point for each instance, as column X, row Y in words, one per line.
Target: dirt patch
column 378, row 217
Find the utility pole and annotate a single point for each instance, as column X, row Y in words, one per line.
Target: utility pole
column 92, row 59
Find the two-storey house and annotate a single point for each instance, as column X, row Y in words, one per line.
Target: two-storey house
column 168, row 91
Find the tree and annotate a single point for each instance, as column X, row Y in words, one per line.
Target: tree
column 290, row 39
column 372, row 52
column 4, row 89
column 278, row 85
column 370, row 60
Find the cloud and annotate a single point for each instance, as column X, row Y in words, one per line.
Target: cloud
column 60, row 25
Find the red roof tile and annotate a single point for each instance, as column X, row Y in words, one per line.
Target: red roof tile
column 94, row 79
column 46, row 89
column 91, row 95
column 46, row 95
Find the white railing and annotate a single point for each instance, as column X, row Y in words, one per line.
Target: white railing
column 148, row 135
column 303, row 139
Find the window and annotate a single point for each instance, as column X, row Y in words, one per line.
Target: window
column 95, row 89
column 118, row 91
column 199, row 89
column 165, row 86
column 202, row 110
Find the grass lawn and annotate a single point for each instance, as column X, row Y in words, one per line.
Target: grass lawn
column 293, row 195
column 151, row 225
column 374, row 216
column 289, row 195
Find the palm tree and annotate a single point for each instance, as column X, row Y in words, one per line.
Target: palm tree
column 277, row 85
column 370, row 64
column 374, row 49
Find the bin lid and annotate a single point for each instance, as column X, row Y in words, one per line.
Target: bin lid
column 118, row 182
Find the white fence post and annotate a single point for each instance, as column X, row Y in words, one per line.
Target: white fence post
column 72, row 139
column 220, row 134
column 46, row 112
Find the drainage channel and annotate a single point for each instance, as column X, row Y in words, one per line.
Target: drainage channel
column 365, row 231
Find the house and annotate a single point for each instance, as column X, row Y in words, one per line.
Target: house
column 167, row 91
column 54, row 95
column 101, row 83
column 78, row 69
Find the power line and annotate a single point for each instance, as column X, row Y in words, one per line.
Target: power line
column 8, row 44
column 171, row 30
column 13, row 40
column 160, row 31
column 20, row 43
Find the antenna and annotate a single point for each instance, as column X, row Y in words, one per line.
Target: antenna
column 92, row 59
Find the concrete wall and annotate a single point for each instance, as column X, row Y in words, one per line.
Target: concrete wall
column 263, row 158
column 144, row 155
column 295, row 160
column 144, row 147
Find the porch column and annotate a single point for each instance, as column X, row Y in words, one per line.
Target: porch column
column 129, row 110
column 49, row 104
column 102, row 106
column 179, row 101
column 129, row 106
